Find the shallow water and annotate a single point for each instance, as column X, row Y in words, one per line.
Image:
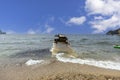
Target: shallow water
column 24, row 47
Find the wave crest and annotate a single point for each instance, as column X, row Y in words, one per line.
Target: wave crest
column 102, row 64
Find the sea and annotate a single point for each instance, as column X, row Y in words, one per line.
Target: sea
column 92, row 49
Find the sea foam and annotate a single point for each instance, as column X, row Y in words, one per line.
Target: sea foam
column 33, row 62
column 102, row 64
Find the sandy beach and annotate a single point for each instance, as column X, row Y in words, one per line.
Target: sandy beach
column 56, row 70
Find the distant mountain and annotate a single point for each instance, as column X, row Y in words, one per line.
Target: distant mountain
column 1, row 32
column 114, row 32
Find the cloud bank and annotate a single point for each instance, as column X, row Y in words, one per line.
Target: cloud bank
column 31, row 31
column 48, row 29
column 10, row 32
column 108, row 11
column 76, row 20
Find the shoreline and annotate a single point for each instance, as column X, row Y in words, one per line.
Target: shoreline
column 56, row 70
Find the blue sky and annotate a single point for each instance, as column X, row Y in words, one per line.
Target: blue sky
column 59, row 16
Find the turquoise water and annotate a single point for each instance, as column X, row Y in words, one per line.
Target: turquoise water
column 96, row 47
column 87, row 46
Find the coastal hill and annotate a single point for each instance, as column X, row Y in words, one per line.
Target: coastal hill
column 114, row 32
column 1, row 32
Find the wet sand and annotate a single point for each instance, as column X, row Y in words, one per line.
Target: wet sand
column 56, row 71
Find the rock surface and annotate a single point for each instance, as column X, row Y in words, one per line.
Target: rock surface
column 114, row 32
column 2, row 32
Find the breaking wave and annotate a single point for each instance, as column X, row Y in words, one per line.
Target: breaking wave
column 33, row 62
column 102, row 64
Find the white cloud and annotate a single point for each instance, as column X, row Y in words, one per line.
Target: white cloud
column 48, row 28
column 76, row 20
column 105, row 8
column 102, row 25
column 30, row 31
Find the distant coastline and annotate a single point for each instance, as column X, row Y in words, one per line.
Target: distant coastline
column 1, row 32
column 114, row 32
